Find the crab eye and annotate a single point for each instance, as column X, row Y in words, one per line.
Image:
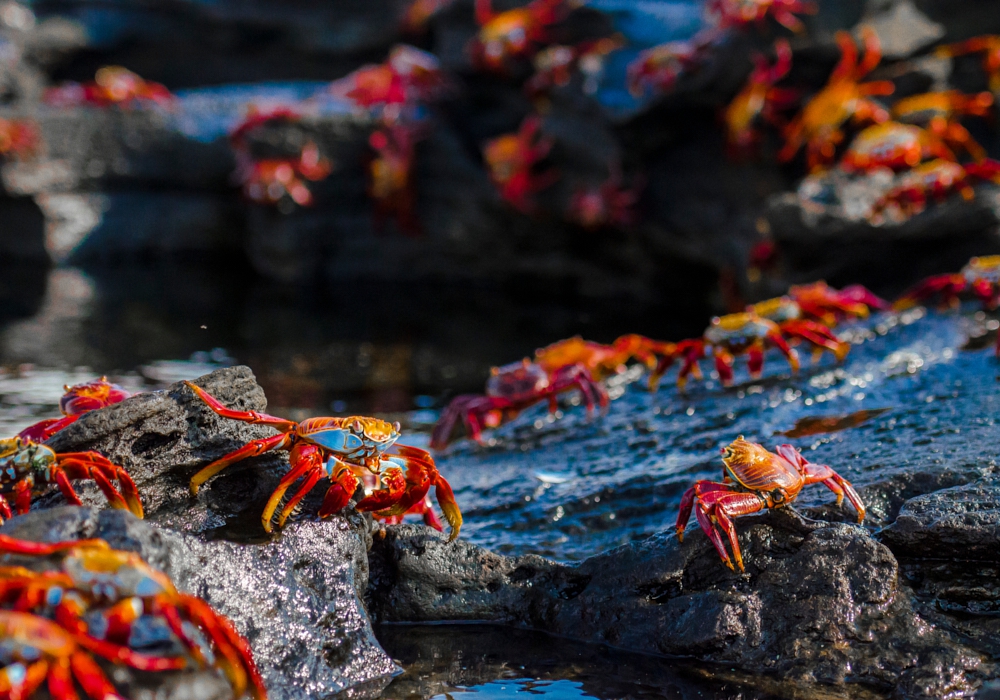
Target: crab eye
column 357, row 427
column 396, row 426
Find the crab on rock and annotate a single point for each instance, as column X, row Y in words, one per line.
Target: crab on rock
column 938, row 112
column 96, row 596
column 511, row 389
column 511, row 161
column 754, row 479
column 759, row 100
column 78, row 399
column 602, row 360
column 829, row 306
column 343, row 450
column 893, row 145
column 820, row 124
column 937, row 180
column 26, row 465
column 788, row 314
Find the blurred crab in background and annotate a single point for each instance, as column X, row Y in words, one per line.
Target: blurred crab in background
column 58, row 619
column 390, row 176
column 893, row 145
column 938, row 112
column 934, row 180
column 511, row 389
column 407, row 76
column 980, row 277
column 18, row 138
column 78, row 400
column 276, row 180
column 820, row 125
column 989, row 46
column 511, row 159
column 607, row 204
column 600, row 360
column 759, row 100
column 112, row 85
column 555, row 65
column 505, row 37
column 787, row 313
column 830, row 306
column 754, row 479
column 419, row 14
column 739, row 13
column 658, row 68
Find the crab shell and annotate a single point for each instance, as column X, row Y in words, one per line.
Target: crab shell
column 739, row 329
column 357, row 439
column 19, row 457
column 114, row 575
column 81, row 398
column 517, row 381
column 771, row 476
column 779, row 309
column 986, row 267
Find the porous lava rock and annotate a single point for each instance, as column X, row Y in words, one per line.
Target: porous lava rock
column 820, row 603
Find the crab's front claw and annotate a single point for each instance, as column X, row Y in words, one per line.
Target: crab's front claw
column 446, row 499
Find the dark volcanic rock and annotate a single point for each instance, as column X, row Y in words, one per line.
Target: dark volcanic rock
column 820, row 603
column 297, row 600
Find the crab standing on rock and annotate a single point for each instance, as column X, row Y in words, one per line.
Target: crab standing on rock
column 511, row 160
column 511, row 389
column 754, row 479
column 759, row 100
column 78, row 399
column 821, row 122
column 935, row 180
column 343, row 450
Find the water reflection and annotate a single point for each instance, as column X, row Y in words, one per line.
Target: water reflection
column 487, row 662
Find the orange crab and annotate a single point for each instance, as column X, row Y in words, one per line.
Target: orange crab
column 390, row 176
column 602, row 360
column 893, row 145
column 938, row 113
column 980, row 276
column 515, row 34
column 342, row 450
column 511, row 389
column 989, row 46
column 788, row 314
column 78, row 399
column 112, row 85
column 739, row 13
column 97, row 588
column 829, row 306
column 753, row 480
column 26, row 466
column 511, row 159
column 820, row 124
column 934, row 180
column 759, row 99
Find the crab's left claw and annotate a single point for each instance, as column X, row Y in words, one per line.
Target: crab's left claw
column 446, row 499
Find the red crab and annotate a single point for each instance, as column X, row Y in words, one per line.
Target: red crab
column 419, row 14
column 602, row 360
column 607, row 204
column 759, row 100
column 516, row 34
column 511, row 389
column 754, row 479
column 658, row 68
column 829, row 306
column 938, row 112
column 96, row 587
column 820, row 124
column 989, row 46
column 390, row 176
column 893, row 145
column 408, row 75
column 276, row 180
column 342, row 450
column 78, row 399
column 739, row 13
column 749, row 333
column 980, row 276
column 936, row 180
column 112, row 85
column 511, row 159
column 26, row 466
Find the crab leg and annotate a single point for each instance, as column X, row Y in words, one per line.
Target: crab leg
column 92, row 678
column 43, row 430
column 91, row 465
column 817, row 334
column 345, row 483
column 394, row 486
column 282, row 424
column 251, row 449
column 311, row 480
column 11, row 545
column 782, row 345
column 688, row 499
column 33, row 677
column 304, row 459
column 719, row 507
column 5, row 511
column 820, row 473
column 724, row 365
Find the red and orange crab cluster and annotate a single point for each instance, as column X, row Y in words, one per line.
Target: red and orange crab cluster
column 274, row 180
column 345, row 451
column 753, row 480
column 65, row 605
column 112, row 85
